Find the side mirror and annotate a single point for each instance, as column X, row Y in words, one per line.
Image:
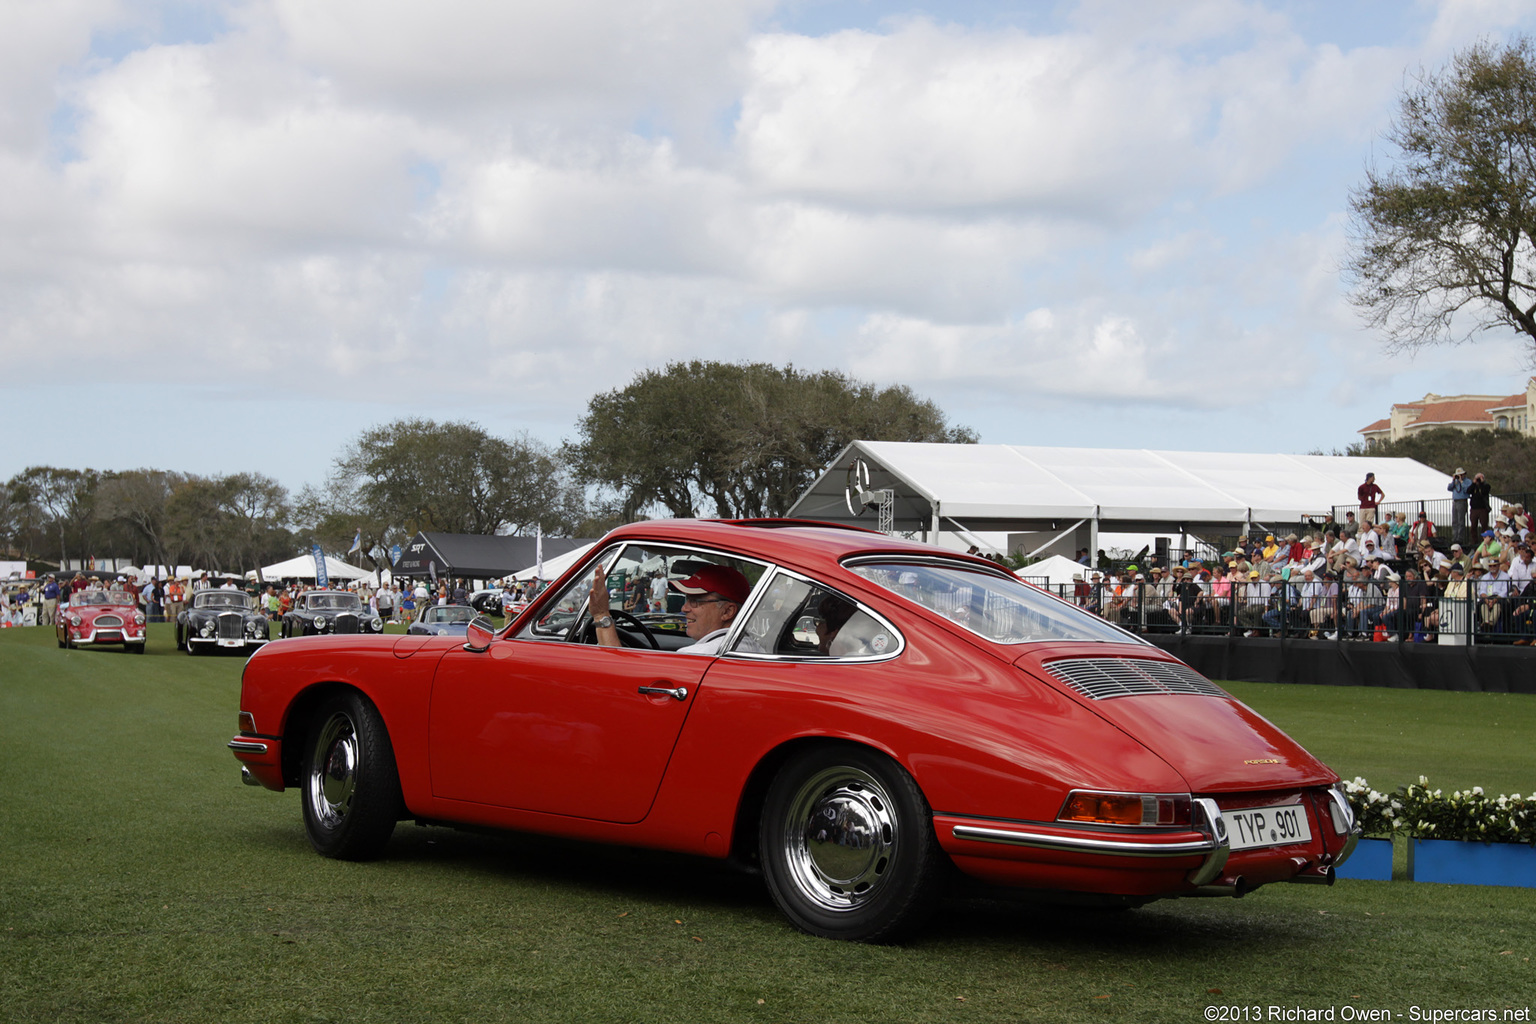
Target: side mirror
column 479, row 634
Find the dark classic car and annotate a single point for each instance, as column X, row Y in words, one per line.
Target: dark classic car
column 101, row 617
column 442, row 620
column 329, row 611
column 219, row 618
column 875, row 720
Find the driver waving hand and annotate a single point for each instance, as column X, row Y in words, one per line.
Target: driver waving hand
column 712, row 598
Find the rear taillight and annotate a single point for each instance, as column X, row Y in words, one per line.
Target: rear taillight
column 1093, row 808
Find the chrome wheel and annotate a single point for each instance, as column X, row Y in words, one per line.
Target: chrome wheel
column 333, row 770
column 350, row 787
column 847, row 846
column 839, row 837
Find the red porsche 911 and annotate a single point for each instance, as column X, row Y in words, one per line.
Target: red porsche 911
column 864, row 719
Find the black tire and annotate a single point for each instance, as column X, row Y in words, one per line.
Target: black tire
column 350, row 787
column 134, row 648
column 847, row 845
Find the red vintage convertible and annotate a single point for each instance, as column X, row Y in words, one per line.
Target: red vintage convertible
column 95, row 617
column 870, row 715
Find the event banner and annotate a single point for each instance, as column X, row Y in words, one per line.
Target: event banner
column 322, row 578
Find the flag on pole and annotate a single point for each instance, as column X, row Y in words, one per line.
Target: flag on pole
column 322, row 578
column 357, row 543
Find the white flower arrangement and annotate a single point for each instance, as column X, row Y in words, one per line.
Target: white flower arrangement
column 1416, row 810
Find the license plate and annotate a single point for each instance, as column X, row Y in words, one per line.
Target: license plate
column 1280, row 825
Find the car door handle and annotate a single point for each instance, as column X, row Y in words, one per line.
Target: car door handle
column 681, row 693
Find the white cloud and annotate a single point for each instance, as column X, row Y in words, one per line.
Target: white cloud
column 934, row 118
column 525, row 203
column 39, row 40
column 603, row 59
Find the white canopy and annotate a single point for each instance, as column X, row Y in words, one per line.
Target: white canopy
column 554, row 567
column 303, row 568
column 1057, row 569
column 1002, row 487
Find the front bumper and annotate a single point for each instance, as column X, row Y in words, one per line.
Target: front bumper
column 261, row 760
column 125, row 635
column 218, row 641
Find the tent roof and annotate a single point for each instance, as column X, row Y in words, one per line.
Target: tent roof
column 1000, row 487
column 476, row 556
column 1057, row 569
column 303, row 568
column 555, row 567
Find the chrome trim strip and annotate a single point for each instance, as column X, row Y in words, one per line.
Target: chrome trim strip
column 247, row 747
column 1076, row 844
column 941, row 561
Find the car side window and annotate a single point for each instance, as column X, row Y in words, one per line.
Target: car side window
column 637, row 579
column 797, row 618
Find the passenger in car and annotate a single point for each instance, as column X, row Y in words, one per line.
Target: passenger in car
column 833, row 614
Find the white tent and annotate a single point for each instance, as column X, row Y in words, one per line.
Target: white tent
column 303, row 568
column 1056, row 570
column 1080, row 492
column 556, row 566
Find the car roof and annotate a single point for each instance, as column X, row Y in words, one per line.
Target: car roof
column 797, row 543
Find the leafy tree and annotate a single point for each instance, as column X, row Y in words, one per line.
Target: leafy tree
column 234, row 523
column 255, row 510
column 138, row 499
column 1445, row 241
column 740, row 440
column 1505, row 458
column 62, row 502
column 417, row 474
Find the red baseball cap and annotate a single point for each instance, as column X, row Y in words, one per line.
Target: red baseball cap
column 715, row 579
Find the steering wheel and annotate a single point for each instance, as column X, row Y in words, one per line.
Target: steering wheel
column 589, row 630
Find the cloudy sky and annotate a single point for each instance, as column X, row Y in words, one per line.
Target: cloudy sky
column 235, row 234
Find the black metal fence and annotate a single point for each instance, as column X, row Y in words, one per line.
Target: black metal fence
column 1474, row 612
column 1454, row 520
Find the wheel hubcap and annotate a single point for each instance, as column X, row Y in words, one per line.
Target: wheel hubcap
column 840, row 836
column 333, row 772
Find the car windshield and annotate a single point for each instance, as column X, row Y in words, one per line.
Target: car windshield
column 102, row 597
column 332, row 602
column 221, row 599
column 1002, row 609
column 448, row 613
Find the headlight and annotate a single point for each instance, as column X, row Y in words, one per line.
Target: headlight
column 257, row 628
column 319, row 621
column 208, row 628
column 74, row 620
column 138, row 618
column 375, row 623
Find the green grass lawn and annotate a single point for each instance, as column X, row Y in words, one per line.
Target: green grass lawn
column 140, row 881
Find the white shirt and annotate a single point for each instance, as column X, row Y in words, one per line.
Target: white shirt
column 713, row 644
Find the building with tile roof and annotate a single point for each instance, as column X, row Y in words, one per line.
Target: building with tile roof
column 1464, row 412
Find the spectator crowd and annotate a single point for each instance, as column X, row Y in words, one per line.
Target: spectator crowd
column 1362, row 580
